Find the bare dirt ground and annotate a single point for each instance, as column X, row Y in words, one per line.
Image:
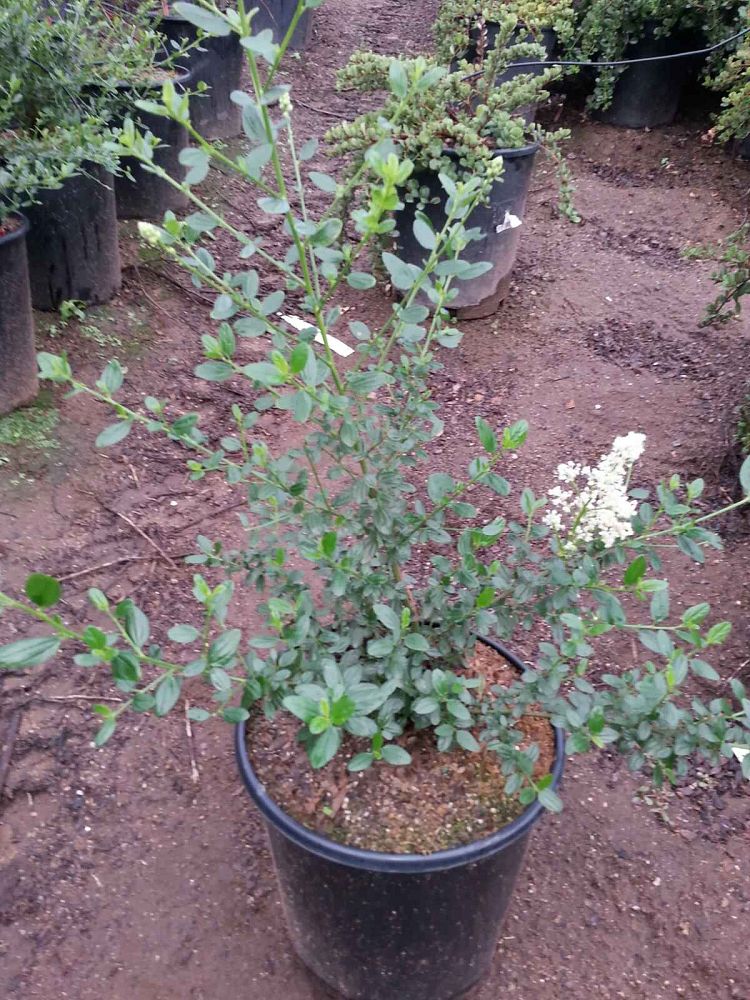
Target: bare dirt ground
column 120, row 875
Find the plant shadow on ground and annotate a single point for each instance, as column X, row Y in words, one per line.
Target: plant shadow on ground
column 122, row 876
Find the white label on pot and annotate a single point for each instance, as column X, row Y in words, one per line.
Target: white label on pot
column 336, row 345
column 509, row 222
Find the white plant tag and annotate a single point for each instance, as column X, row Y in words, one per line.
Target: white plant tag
column 740, row 753
column 333, row 342
column 509, row 222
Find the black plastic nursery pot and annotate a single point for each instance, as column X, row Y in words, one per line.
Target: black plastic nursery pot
column 72, row 241
column 146, row 196
column 277, row 15
column 218, row 63
column 648, row 94
column 18, row 381
column 377, row 926
column 501, row 223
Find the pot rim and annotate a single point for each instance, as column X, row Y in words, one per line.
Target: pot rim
column 404, row 864
column 19, row 232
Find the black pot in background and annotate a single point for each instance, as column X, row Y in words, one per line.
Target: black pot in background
column 480, row 296
column 72, row 243
column 378, row 926
column 146, row 196
column 219, row 66
column 18, row 381
column 277, row 15
column 648, row 95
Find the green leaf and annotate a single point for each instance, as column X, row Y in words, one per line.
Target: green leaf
column 439, row 485
column 183, row 633
column 325, row 747
column 114, row 433
column 718, row 633
column 319, row 724
column 380, row 648
column 485, row 597
column 702, row 669
column 397, row 78
column 198, row 714
column 105, row 731
column 125, row 667
column 745, row 476
column 360, row 762
column 214, row 371
column 465, row 739
column 212, row 24
column 416, row 642
column 486, row 436
column 363, row 383
column 424, row 233
column 425, row 706
column 342, row 710
column 264, row 372
column 304, row 708
column 360, row 280
column 299, row 358
column 44, row 591
column 323, row 181
column 135, row 622
column 274, row 206
column 550, row 800
column 403, row 275
column 29, row 652
column 197, row 161
column 388, row 617
column 112, row 377
column 635, row 571
column 396, row 755
column 166, row 694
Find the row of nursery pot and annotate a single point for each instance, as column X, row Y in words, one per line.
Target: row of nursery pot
column 372, row 658
column 597, row 38
column 62, row 164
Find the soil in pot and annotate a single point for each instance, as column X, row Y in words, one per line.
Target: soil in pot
column 18, row 379
column 277, row 15
column 501, row 222
column 648, row 95
column 143, row 195
column 411, row 917
column 218, row 63
column 73, row 241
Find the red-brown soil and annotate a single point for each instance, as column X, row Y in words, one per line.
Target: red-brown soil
column 125, row 874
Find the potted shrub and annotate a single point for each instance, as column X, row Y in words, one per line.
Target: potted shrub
column 733, row 80
column 370, row 661
column 465, row 28
column 215, row 64
column 72, row 242
column 646, row 95
column 463, row 124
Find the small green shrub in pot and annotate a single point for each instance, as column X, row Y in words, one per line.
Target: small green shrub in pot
column 460, row 22
column 374, row 580
column 610, row 30
column 733, row 80
column 472, row 121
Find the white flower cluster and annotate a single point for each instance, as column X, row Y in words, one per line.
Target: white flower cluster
column 593, row 504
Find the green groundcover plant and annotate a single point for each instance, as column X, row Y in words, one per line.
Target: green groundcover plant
column 459, row 121
column 358, row 635
column 606, row 28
